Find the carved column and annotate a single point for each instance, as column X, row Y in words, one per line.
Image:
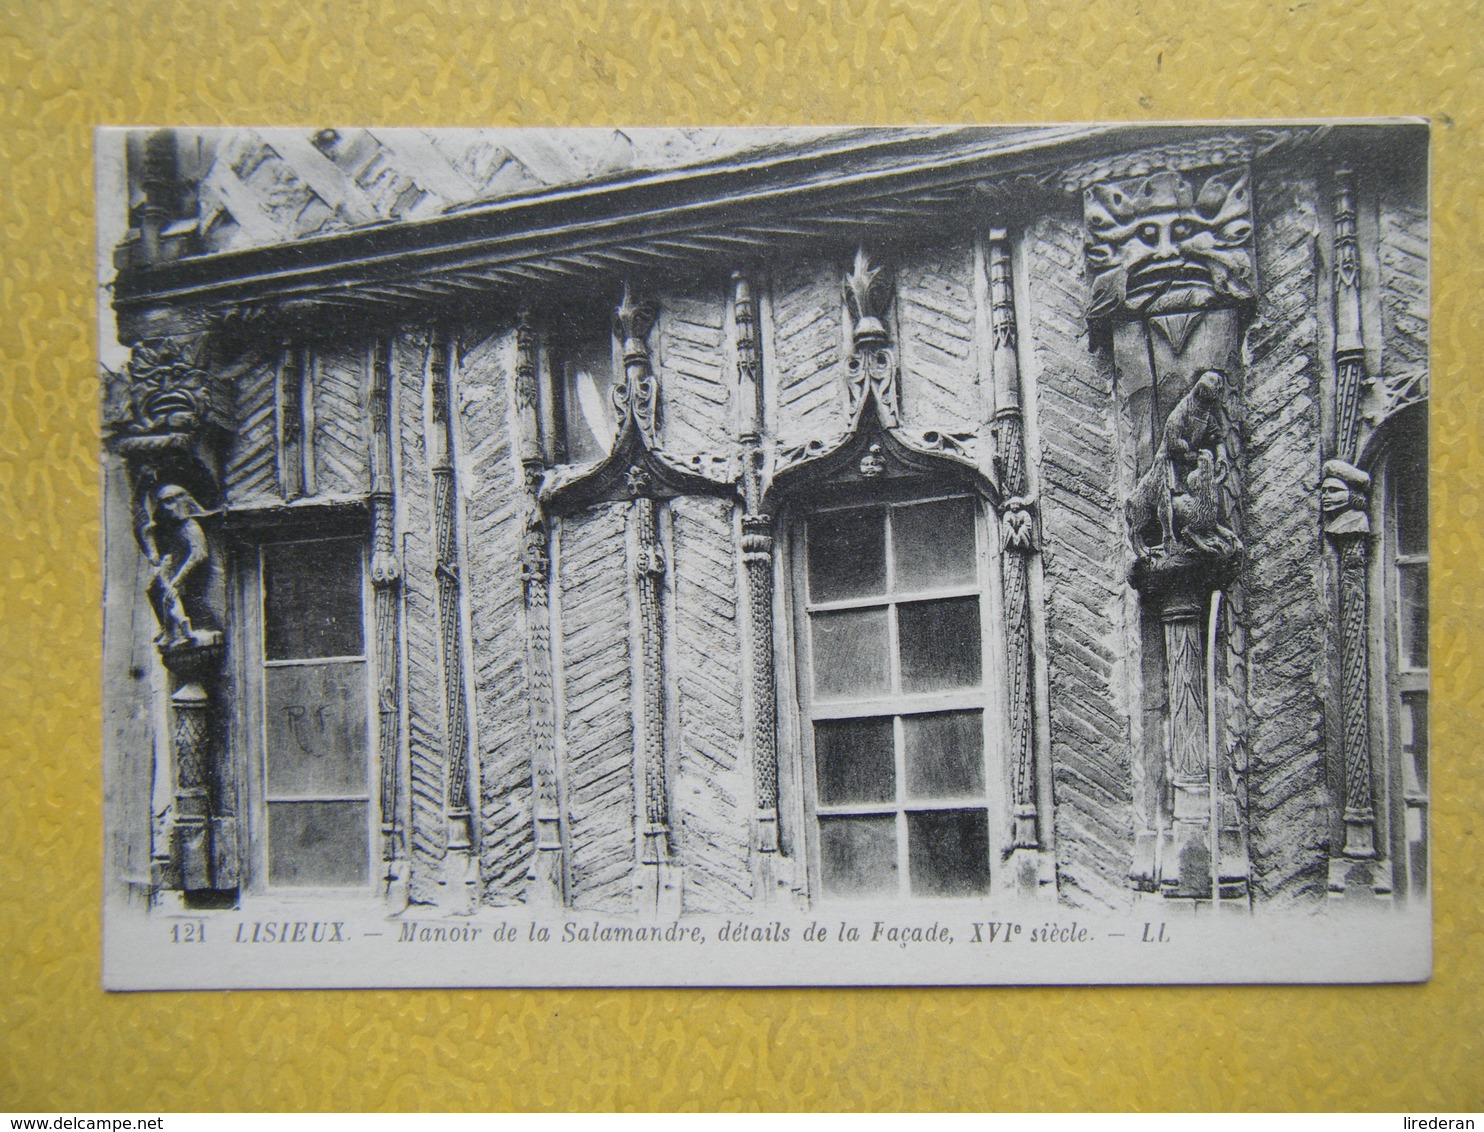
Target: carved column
column 169, row 439
column 1018, row 527
column 547, row 885
column 1344, row 494
column 1172, row 268
column 450, row 614
column 386, row 576
column 660, row 884
column 1344, row 498
column 757, row 560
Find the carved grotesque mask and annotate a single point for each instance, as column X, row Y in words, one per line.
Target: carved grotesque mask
column 1169, row 241
column 169, row 389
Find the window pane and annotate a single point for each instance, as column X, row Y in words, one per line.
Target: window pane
column 847, row 554
column 948, row 852
column 312, row 599
column 316, row 723
column 850, row 654
column 945, row 754
column 940, row 643
column 1408, row 473
column 933, row 545
column 855, row 761
column 317, row 844
column 1414, row 740
column 858, row 856
column 1413, row 581
column 585, row 370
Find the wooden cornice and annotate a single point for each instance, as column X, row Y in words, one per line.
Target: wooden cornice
column 660, row 223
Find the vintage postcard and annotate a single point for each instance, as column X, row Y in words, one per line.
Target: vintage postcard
column 953, row 555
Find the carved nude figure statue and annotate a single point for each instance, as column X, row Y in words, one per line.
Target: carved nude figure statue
column 175, row 545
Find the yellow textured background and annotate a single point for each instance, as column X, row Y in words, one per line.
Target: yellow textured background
column 67, row 65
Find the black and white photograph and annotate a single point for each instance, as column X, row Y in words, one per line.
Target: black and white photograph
column 765, row 556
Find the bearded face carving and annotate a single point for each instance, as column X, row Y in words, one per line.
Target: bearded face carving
column 1168, row 242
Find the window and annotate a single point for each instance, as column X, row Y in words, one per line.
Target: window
column 891, row 681
column 316, row 764
column 1406, row 550
column 583, row 370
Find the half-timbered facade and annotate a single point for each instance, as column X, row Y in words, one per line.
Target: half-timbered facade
column 769, row 520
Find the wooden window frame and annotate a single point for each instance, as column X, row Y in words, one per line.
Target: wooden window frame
column 895, row 704
column 251, row 732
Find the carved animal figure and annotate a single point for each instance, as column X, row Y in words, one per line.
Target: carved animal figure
column 1159, row 512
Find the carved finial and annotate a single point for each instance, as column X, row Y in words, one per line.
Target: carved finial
column 872, row 367
column 632, row 321
column 862, row 300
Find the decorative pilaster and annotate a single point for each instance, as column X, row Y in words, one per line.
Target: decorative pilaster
column 1018, row 535
column 757, row 561
column 386, row 578
column 450, row 615
column 547, row 885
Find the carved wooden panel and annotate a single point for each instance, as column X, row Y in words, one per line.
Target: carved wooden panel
column 492, row 500
column 424, row 692
column 342, row 441
column 936, row 317
column 694, row 379
column 250, row 473
column 1084, row 532
column 1286, row 773
column 598, row 723
column 713, row 780
column 808, row 340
